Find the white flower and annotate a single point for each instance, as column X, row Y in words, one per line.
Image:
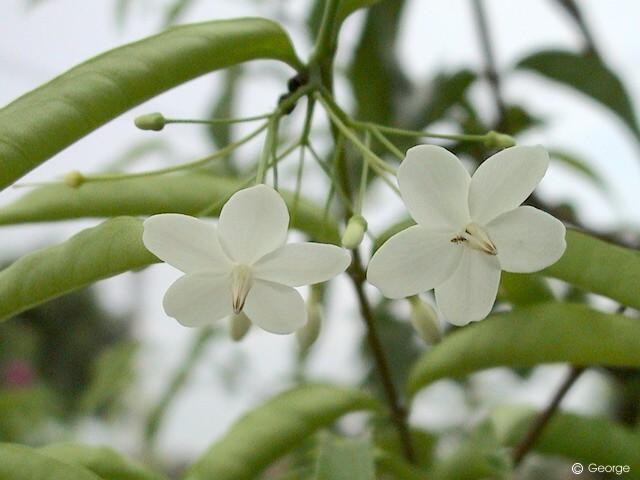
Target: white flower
column 468, row 229
column 243, row 265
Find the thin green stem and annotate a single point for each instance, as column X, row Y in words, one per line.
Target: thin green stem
column 265, row 155
column 384, row 141
column 324, row 42
column 219, row 121
column 357, row 210
column 304, row 141
column 401, row 132
column 223, row 152
column 330, row 170
column 376, row 163
column 215, row 206
column 274, row 151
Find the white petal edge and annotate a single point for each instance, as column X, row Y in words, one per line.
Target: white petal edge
column 305, row 263
column 413, row 261
column 434, row 186
column 198, row 299
column 469, row 294
column 505, row 180
column 275, row 308
column 253, row 222
column 185, row 242
column 527, row 239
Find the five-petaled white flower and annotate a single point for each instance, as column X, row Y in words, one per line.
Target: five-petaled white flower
column 468, row 229
column 243, row 265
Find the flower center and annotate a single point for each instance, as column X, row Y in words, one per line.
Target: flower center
column 241, row 281
column 475, row 237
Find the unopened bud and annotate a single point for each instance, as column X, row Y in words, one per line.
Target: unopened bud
column 239, row 325
column 354, row 233
column 74, row 179
column 495, row 139
column 425, row 321
column 307, row 335
column 151, row 121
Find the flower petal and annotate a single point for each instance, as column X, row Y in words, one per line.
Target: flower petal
column 505, row 180
column 306, row 263
column 434, row 186
column 185, row 242
column 469, row 293
column 253, row 223
column 527, row 239
column 413, row 261
column 198, row 299
column 275, row 308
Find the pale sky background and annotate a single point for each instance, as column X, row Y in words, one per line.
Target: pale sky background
column 41, row 42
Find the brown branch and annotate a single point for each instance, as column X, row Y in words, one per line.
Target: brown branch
column 574, row 12
column 541, row 421
column 490, row 69
column 398, row 411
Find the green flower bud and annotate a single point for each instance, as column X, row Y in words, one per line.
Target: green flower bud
column 239, row 325
column 495, row 139
column 150, row 121
column 354, row 233
column 425, row 321
column 307, row 335
column 74, row 179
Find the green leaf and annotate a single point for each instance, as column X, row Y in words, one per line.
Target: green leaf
column 112, row 247
column 41, row 123
column 375, row 76
column 588, row 75
column 347, row 7
column 18, row 462
column 584, row 439
column 103, row 461
column 270, row 431
column 447, row 89
column 542, row 333
column 188, row 194
column 175, row 10
column 525, row 289
column 599, row 267
column 345, row 459
column 577, row 164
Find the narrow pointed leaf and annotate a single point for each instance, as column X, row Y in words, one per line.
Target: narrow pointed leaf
column 543, row 333
column 578, row 165
column 112, row 247
column 575, row 437
column 46, row 120
column 18, row 462
column 103, row 461
column 188, row 194
column 599, row 267
column 588, row 75
column 270, row 431
column 376, row 78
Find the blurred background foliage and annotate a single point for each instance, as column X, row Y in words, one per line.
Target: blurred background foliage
column 54, row 372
